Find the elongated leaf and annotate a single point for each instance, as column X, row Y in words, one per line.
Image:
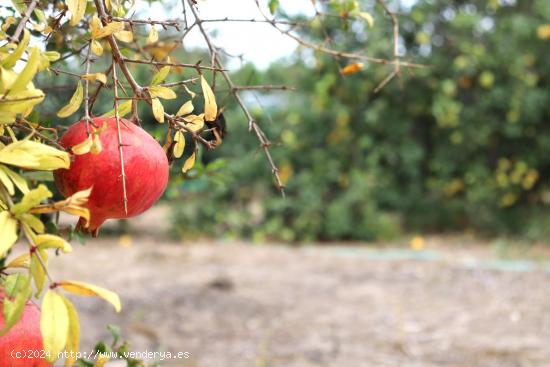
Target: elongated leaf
column 73, row 336
column 9, row 62
column 160, row 75
column 18, row 290
column 22, row 261
column 153, row 35
column 158, row 110
column 31, row 199
column 179, row 147
column 210, row 106
column 37, row 271
column 185, row 109
column 368, row 17
column 83, row 147
column 8, row 232
column 97, row 49
column 85, row 289
column 54, row 324
column 74, row 103
column 124, row 108
column 189, row 163
column 124, row 36
column 31, row 154
column 44, row 241
column 27, row 73
column 162, row 92
column 77, row 8
column 16, row 178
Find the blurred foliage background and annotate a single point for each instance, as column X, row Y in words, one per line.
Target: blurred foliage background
column 460, row 145
column 463, row 144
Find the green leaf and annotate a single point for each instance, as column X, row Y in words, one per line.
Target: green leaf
column 273, row 6
column 124, row 108
column 37, row 271
column 18, row 290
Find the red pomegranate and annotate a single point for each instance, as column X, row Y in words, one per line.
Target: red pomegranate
column 145, row 166
column 22, row 345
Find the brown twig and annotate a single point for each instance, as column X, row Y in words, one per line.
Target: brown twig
column 119, row 133
column 23, row 22
column 253, row 126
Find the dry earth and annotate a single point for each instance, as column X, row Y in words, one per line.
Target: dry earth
column 236, row 304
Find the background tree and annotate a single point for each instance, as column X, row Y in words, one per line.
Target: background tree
column 101, row 47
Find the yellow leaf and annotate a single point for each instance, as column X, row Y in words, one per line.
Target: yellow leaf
column 73, row 335
column 161, row 92
column 352, row 68
column 160, row 75
column 158, row 110
column 34, row 155
column 185, row 109
column 89, row 290
column 19, row 181
column 77, row 9
column 179, row 147
column 210, row 106
column 189, row 163
column 194, row 122
column 543, row 31
column 21, row 261
column 27, row 73
column 74, row 205
column 153, row 35
column 101, row 361
column 11, row 59
column 97, row 147
column 8, row 232
column 5, row 180
column 100, row 77
column 97, row 49
column 31, row 199
column 18, row 103
column 74, row 103
column 124, row 108
column 54, row 324
column 99, row 32
column 368, row 17
column 83, row 147
column 45, row 241
column 191, row 93
column 125, row 36
column 37, row 271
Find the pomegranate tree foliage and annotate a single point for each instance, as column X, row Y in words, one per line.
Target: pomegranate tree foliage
column 462, row 144
column 100, row 47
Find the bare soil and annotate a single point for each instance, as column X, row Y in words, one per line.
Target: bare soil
column 238, row 304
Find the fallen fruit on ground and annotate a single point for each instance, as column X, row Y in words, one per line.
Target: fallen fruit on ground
column 145, row 168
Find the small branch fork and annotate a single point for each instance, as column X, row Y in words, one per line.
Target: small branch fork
column 285, row 27
column 252, row 124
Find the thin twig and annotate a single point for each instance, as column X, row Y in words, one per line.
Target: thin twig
column 23, row 22
column 120, row 144
column 253, row 126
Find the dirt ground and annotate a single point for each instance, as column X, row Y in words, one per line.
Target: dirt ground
column 237, row 304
